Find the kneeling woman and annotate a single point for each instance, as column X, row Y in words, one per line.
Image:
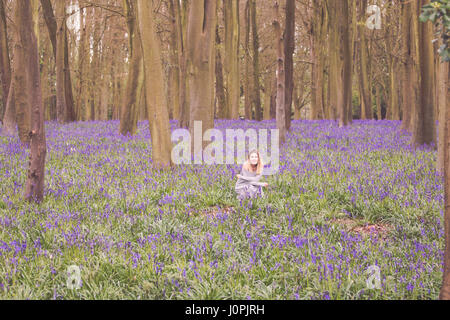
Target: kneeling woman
column 248, row 185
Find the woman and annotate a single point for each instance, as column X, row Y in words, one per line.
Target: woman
column 248, row 185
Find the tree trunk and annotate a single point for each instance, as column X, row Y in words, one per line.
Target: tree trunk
column 158, row 114
column 407, row 81
column 333, row 57
column 46, row 92
column 82, row 53
column 393, row 101
column 21, row 90
column 280, row 103
column 352, row 38
column 445, row 288
column 181, row 20
column 365, row 92
column 256, row 97
column 68, row 92
column 5, row 66
column 201, row 55
column 289, row 48
column 28, row 74
column 378, row 102
column 60, row 77
column 424, row 129
column 247, row 90
column 316, row 37
column 443, row 102
column 174, row 69
column 344, row 65
column 130, row 106
column 220, row 91
column 231, row 67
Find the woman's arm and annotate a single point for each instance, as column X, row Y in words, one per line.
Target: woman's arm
column 259, row 184
column 247, row 178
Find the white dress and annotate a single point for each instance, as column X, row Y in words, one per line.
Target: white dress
column 248, row 185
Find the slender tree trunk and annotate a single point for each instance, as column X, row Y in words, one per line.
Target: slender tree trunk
column 333, row 57
column 60, row 76
column 256, row 97
column 27, row 73
column 50, row 21
column 378, row 102
column 443, row 102
column 181, row 21
column 352, row 39
column 220, row 91
column 393, row 103
column 68, row 91
column 247, row 89
column 201, row 54
column 130, row 107
column 344, row 56
column 445, row 288
column 316, row 37
column 95, row 65
column 407, row 83
column 158, row 114
column 82, row 58
column 366, row 99
column 22, row 99
column 174, row 69
column 424, row 129
column 231, row 13
column 289, row 48
column 280, row 103
column 5, row 66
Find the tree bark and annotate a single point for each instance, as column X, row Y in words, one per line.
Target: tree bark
column 27, row 72
column 365, row 92
column 181, row 21
column 220, row 91
column 68, row 92
column 316, row 39
column 158, row 114
column 443, row 102
column 61, row 109
column 333, row 57
column 280, row 103
column 173, row 95
column 407, row 66
column 424, row 129
column 5, row 66
column 130, row 106
column 289, row 48
column 393, row 96
column 344, row 65
column 256, row 97
column 201, row 56
column 231, row 66
column 445, row 288
column 247, row 87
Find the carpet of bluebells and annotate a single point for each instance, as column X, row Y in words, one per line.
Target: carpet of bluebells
column 138, row 233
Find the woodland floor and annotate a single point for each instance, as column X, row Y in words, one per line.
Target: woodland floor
column 343, row 200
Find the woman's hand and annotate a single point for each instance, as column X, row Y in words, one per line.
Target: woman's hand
column 238, row 176
column 265, row 185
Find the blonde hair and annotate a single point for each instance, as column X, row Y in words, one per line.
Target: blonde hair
column 259, row 166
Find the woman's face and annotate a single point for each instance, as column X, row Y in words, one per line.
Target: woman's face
column 254, row 158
